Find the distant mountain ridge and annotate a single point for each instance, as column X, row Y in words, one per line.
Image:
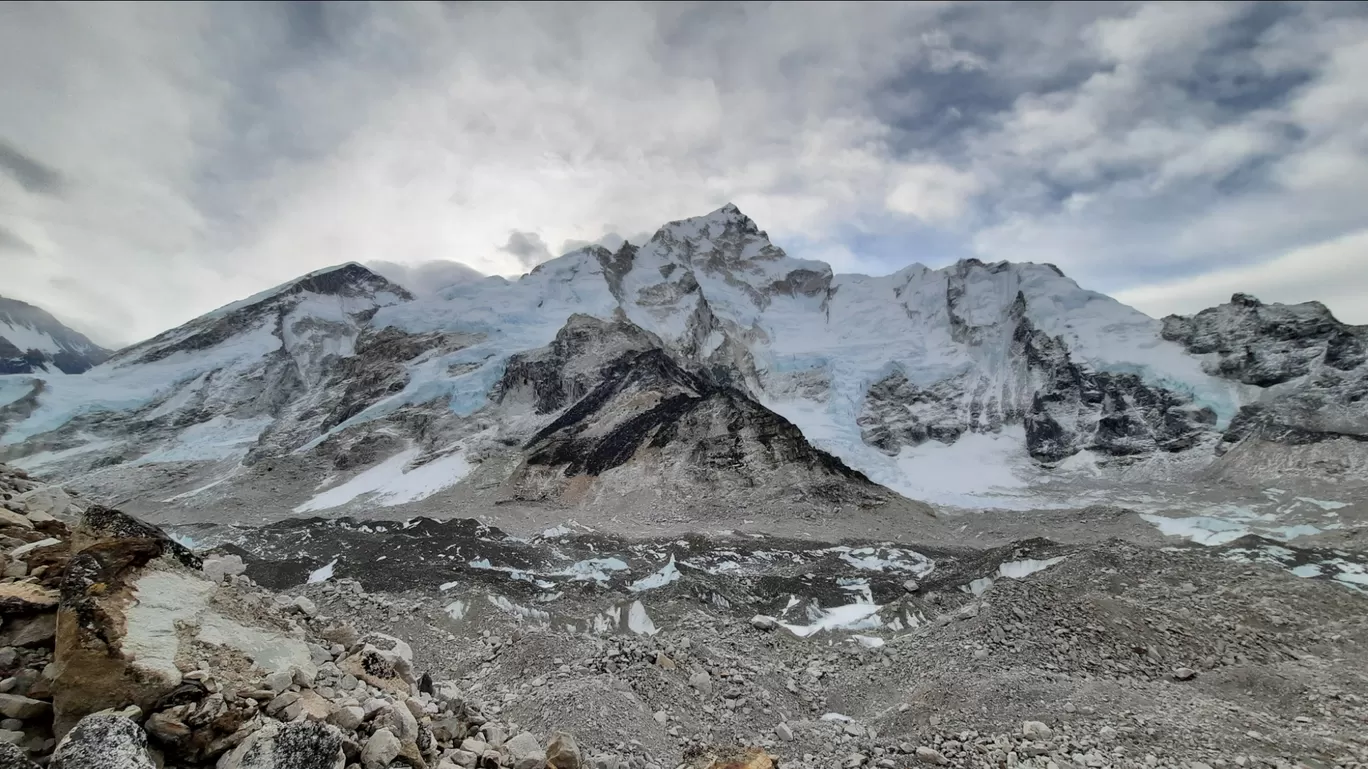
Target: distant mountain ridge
column 702, row 370
column 33, row 341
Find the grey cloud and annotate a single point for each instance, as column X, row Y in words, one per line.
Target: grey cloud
column 9, row 241
column 32, row 174
column 223, row 148
column 610, row 239
column 426, row 278
column 527, row 248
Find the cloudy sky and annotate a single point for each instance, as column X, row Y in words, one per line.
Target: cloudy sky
column 157, row 161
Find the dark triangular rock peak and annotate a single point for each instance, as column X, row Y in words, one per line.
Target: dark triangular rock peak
column 689, row 433
column 33, row 341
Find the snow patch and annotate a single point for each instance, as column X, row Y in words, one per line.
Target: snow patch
column 1024, row 569
column 667, row 574
column 855, row 616
column 322, row 574
column 389, row 484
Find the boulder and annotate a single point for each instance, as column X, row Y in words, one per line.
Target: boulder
column 11, row 518
column 45, row 502
column 23, row 708
column 382, row 661
column 23, row 598
column 104, row 740
column 127, row 588
column 220, row 567
column 525, row 752
column 29, row 632
column 14, row 757
column 300, row 745
column 380, row 750
column 562, row 752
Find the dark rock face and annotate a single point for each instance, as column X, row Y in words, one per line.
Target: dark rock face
column 1314, row 367
column 1266, row 345
column 1064, row 406
column 694, row 430
column 75, row 353
column 377, row 370
column 563, row 372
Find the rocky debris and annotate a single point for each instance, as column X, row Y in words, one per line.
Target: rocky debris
column 735, row 758
column 161, row 659
column 220, row 567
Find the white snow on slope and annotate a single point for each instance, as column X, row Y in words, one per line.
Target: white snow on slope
column 27, row 338
column 388, row 483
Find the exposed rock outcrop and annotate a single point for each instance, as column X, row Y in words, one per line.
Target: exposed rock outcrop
column 1030, row 378
column 1312, row 369
column 650, row 415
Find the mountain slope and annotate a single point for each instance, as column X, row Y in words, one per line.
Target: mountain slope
column 32, row 341
column 702, row 363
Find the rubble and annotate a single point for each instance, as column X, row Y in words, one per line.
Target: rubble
column 1116, row 656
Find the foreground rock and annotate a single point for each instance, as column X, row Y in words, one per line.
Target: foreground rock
column 118, row 643
column 126, row 588
column 106, row 740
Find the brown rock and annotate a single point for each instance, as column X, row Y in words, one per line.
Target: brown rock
column 11, row 519
column 23, row 598
column 562, row 752
column 167, row 729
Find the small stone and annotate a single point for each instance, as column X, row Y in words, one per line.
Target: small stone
column 931, row 756
column 911, row 586
column 1035, row 730
column 347, row 718
column 784, row 732
column 1184, row 674
column 764, row 622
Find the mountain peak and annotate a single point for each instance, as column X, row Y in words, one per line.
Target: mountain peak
column 32, row 340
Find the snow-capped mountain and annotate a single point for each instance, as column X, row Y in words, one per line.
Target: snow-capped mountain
column 702, row 369
column 32, row 341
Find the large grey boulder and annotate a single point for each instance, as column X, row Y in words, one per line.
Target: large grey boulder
column 299, row 745
column 104, row 740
